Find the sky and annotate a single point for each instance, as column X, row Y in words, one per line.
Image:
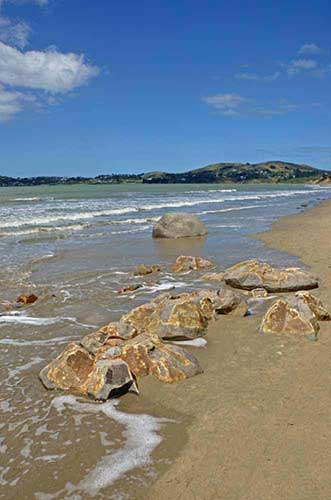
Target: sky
column 107, row 86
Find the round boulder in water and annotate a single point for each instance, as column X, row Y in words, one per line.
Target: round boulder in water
column 177, row 225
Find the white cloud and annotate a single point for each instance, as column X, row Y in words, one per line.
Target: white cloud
column 298, row 65
column 310, row 48
column 237, row 105
column 47, row 70
column 257, row 77
column 226, row 104
column 12, row 102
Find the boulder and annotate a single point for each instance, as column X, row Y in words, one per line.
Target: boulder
column 146, row 354
column 292, row 316
column 188, row 263
column 115, row 364
column 179, row 225
column 143, row 269
column 75, row 369
column 27, row 299
column 252, row 274
column 184, row 316
column 315, row 305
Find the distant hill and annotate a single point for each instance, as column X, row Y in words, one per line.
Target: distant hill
column 270, row 171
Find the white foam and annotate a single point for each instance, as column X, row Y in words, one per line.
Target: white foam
column 141, row 437
column 164, row 286
column 15, row 371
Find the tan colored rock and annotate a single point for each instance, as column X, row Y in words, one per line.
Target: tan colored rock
column 292, row 316
column 143, row 269
column 188, row 263
column 76, row 370
column 219, row 277
column 259, row 293
column 147, row 354
column 315, row 305
column 252, row 274
column 27, row 299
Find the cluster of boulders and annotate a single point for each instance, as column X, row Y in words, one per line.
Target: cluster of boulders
column 109, row 362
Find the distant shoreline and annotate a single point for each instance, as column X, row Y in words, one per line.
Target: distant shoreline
column 274, row 172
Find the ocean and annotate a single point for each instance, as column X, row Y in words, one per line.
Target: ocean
column 75, row 247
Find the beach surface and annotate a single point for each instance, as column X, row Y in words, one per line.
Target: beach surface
column 258, row 420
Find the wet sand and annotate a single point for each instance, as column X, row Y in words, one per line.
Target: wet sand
column 257, row 422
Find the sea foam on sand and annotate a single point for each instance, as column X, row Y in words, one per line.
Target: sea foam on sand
column 140, row 435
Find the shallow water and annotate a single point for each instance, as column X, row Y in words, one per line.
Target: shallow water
column 75, row 246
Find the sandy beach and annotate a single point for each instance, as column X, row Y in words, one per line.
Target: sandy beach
column 257, row 420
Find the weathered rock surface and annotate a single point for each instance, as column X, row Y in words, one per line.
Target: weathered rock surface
column 111, row 365
column 259, row 293
column 252, row 274
column 179, row 225
column 143, row 269
column 315, row 305
column 147, row 354
column 183, row 316
column 27, row 299
column 76, row 370
column 290, row 315
column 219, row 277
column 189, row 263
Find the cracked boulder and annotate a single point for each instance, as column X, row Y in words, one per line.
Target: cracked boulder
column 291, row 315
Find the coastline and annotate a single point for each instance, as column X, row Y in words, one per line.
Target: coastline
column 258, row 416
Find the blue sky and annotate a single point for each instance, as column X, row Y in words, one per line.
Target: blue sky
column 91, row 87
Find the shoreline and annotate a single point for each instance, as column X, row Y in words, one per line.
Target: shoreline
column 259, row 413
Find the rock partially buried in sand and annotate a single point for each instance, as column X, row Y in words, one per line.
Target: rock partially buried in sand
column 315, row 305
column 189, row 263
column 77, row 370
column 27, row 299
column 111, row 370
column 252, row 274
column 178, row 225
column 292, row 316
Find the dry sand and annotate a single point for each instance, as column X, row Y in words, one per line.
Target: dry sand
column 257, row 422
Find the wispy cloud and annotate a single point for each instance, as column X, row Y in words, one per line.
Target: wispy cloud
column 230, row 104
column 310, row 49
column 257, row 77
column 298, row 65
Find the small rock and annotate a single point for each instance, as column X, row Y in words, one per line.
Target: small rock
column 142, row 269
column 26, row 299
column 187, row 263
column 259, row 293
column 128, row 288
